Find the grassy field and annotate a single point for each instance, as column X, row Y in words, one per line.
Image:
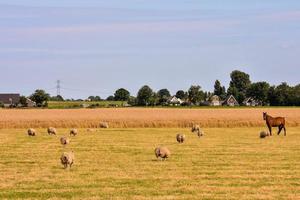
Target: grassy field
column 78, row 104
column 227, row 163
column 143, row 117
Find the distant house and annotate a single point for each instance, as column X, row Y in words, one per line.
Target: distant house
column 10, row 100
column 30, row 103
column 230, row 101
column 215, row 100
column 174, row 101
column 251, row 102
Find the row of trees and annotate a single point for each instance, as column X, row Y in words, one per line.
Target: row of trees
column 240, row 87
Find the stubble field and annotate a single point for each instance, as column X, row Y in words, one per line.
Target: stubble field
column 119, row 163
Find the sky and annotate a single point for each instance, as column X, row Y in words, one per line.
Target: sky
column 97, row 46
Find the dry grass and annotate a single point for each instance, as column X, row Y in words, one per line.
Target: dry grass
column 227, row 163
column 144, row 117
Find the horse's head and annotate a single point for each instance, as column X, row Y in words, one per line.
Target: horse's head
column 264, row 115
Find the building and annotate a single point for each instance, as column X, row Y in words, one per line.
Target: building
column 30, row 103
column 230, row 101
column 215, row 100
column 175, row 101
column 251, row 102
column 10, row 100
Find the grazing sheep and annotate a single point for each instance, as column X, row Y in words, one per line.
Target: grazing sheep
column 64, row 140
column 31, row 132
column 200, row 133
column 263, row 134
column 104, row 125
column 67, row 159
column 52, row 131
column 180, row 138
column 195, row 128
column 162, row 152
column 74, row 132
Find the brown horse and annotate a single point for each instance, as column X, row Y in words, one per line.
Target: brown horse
column 275, row 122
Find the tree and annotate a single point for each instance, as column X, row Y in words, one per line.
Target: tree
column 207, row 95
column 40, row 97
column 240, row 82
column 296, row 95
column 91, row 98
column 219, row 90
column 283, row 93
column 154, row 99
column 195, row 94
column 181, row 94
column 132, row 101
column 94, row 98
column 272, row 98
column 163, row 96
column 259, row 91
column 23, row 101
column 57, row 98
column 122, row 95
column 144, row 96
column 98, row 98
column 110, row 98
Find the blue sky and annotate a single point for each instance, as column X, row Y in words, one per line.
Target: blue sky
column 95, row 47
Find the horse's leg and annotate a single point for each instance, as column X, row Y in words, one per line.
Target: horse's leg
column 284, row 130
column 279, row 129
column 270, row 130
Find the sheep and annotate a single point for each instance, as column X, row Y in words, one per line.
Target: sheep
column 64, row 140
column 180, row 138
column 74, row 132
column 195, row 128
column 67, row 159
column 52, row 131
column 200, row 133
column 162, row 152
column 31, row 132
column 263, row 134
column 104, row 125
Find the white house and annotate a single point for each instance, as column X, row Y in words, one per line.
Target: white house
column 175, row 101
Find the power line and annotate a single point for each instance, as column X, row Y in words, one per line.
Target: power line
column 58, row 88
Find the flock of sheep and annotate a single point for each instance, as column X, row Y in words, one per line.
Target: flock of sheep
column 67, row 158
column 163, row 152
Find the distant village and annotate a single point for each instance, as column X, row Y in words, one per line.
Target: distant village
column 14, row 101
column 240, row 92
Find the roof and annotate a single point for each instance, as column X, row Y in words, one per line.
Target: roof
column 231, row 97
column 251, row 100
column 175, row 100
column 10, row 98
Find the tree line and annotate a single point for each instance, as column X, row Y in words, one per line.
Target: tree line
column 240, row 87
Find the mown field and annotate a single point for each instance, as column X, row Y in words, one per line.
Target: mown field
column 143, row 117
column 227, row 163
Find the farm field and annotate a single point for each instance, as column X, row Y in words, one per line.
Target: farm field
column 143, row 117
column 78, row 104
column 227, row 163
